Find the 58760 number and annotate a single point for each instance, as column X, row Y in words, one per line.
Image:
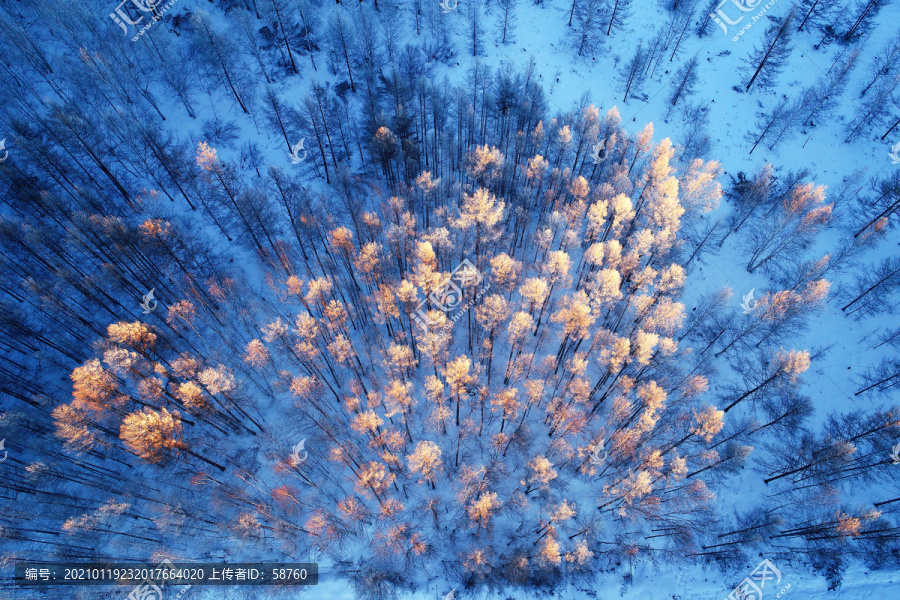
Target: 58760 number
column 289, row 574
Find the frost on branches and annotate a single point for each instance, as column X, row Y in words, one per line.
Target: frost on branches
column 466, row 438
column 469, row 440
column 462, row 444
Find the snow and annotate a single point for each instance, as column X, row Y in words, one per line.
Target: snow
column 541, row 34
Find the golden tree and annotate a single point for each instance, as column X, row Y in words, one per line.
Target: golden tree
column 426, row 460
column 155, row 436
column 391, row 358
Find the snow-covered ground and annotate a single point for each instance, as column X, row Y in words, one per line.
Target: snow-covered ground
column 541, row 34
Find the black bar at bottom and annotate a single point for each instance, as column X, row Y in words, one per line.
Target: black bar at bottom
column 157, row 575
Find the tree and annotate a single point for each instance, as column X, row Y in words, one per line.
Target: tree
column 483, row 211
column 384, row 148
column 877, row 214
column 490, row 314
column 790, row 226
column 684, row 81
column 748, row 195
column 866, row 11
column 341, row 42
column 781, row 118
column 309, row 34
column 683, row 13
column 776, row 316
column 458, row 378
column 781, row 371
column 787, row 411
column 709, row 12
column 93, row 387
column 220, row 55
column 881, row 378
column 589, row 21
column 155, row 436
column 251, row 44
column 475, row 26
column 282, row 11
column 770, row 57
column 813, row 105
column 427, row 461
column 876, row 111
column 632, row 76
column 73, row 427
column 374, row 478
column 228, row 187
column 506, row 20
column 815, row 13
column 619, row 15
column 874, row 290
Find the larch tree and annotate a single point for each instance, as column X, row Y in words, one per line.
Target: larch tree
column 769, row 59
column 360, row 413
column 155, row 436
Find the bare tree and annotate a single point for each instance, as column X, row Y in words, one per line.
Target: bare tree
column 768, row 60
column 475, row 26
column 632, row 75
column 684, row 81
column 874, row 291
column 619, row 14
column 789, row 226
column 590, row 17
column 506, row 20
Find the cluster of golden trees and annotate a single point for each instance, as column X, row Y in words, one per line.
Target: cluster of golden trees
column 558, row 418
column 549, row 413
column 478, row 433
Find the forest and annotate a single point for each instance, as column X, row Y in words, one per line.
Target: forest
column 454, row 298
